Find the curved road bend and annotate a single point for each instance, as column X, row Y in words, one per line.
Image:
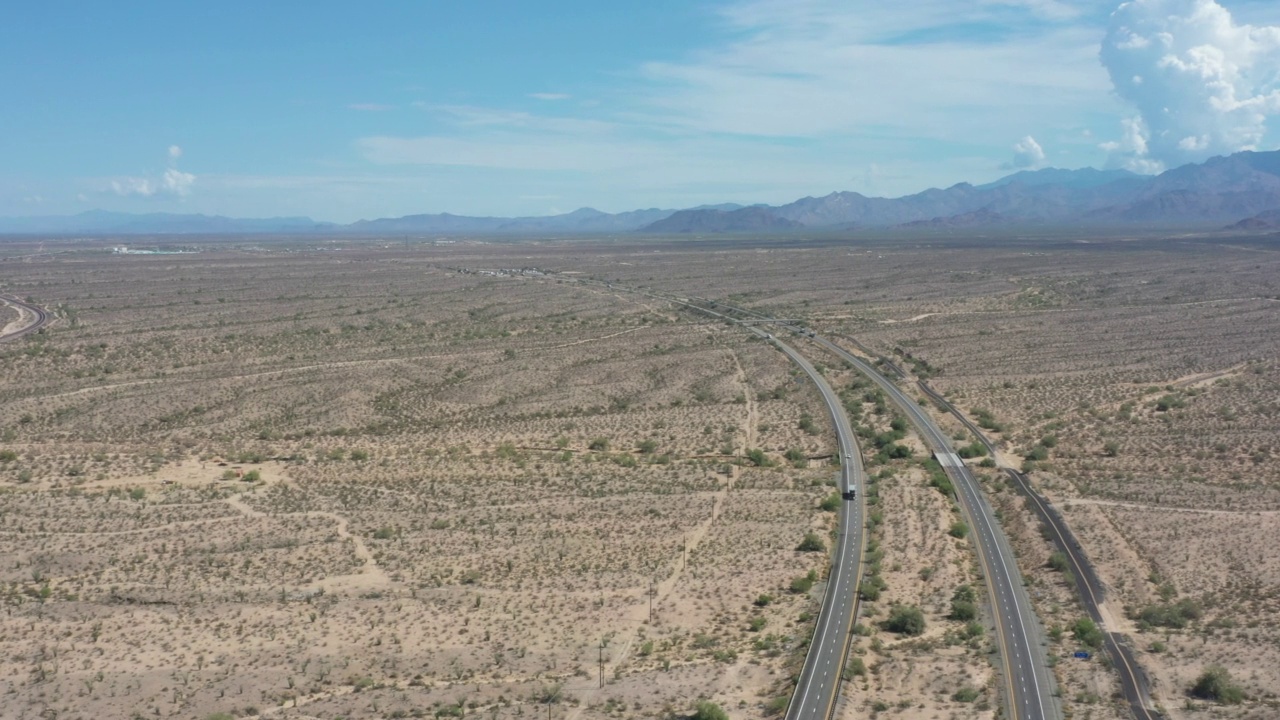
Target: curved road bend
column 42, row 318
column 1029, row 684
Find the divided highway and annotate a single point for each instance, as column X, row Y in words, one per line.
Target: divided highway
column 1029, row 684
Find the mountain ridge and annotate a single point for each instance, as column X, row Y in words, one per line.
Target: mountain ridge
column 1221, row 192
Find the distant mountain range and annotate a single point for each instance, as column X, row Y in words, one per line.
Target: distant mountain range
column 1240, row 191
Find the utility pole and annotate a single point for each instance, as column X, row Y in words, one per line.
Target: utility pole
column 601, row 649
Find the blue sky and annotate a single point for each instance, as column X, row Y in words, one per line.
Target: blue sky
column 510, row 108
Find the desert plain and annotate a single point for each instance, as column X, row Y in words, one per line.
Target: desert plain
column 357, row 478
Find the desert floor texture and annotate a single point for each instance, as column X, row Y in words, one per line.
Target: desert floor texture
column 362, row 479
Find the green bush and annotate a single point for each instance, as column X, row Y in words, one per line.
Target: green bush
column 857, row 668
column 966, row 694
column 1215, row 684
column 707, row 710
column 830, row 503
column 906, row 620
column 1174, row 615
column 811, row 543
column 1058, row 561
column 963, row 611
column 758, row 458
column 804, row 583
column 959, row 529
column 1087, row 633
column 777, row 705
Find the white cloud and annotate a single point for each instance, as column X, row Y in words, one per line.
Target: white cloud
column 172, row 182
column 1027, row 153
column 176, row 182
column 549, row 96
column 1202, row 84
column 813, row 68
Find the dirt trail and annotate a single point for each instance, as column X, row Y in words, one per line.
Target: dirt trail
column 371, row 574
column 637, row 615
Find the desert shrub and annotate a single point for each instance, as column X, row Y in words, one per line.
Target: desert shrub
column 252, row 476
column 906, row 620
column 963, row 611
column 871, row 588
column 830, row 503
column 964, row 604
column 757, row 457
column 796, row 457
column 137, row 493
column 806, row 424
column 763, row 600
column 966, row 694
column 707, row 710
column 959, row 529
column 1172, row 615
column 812, row 542
column 1058, row 561
column 776, row 705
column 1215, row 684
column 1087, row 633
column 600, row 444
column 804, row 583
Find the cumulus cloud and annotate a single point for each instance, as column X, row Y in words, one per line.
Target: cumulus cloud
column 549, row 96
column 1202, row 85
column 173, row 182
column 1027, row 153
